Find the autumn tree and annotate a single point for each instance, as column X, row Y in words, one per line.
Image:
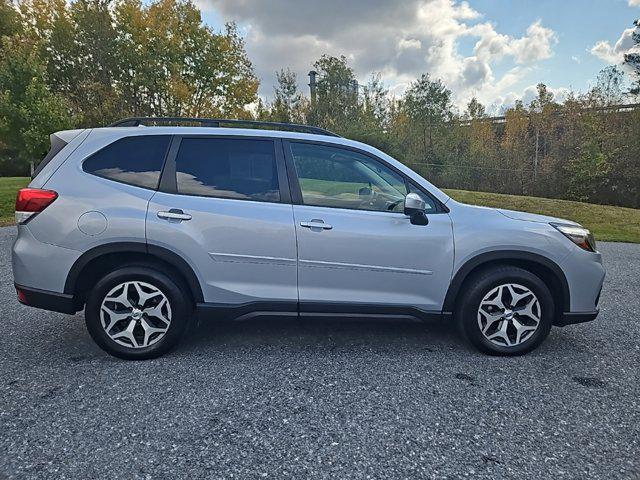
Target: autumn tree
column 516, row 139
column 174, row 65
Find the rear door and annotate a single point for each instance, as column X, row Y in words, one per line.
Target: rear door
column 355, row 244
column 223, row 206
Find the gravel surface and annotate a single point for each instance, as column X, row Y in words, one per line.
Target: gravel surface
column 284, row 398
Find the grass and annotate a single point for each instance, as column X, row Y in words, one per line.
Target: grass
column 9, row 186
column 614, row 224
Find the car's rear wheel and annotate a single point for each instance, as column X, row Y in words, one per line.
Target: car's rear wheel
column 137, row 313
column 505, row 311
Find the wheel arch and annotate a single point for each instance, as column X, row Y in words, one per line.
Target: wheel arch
column 545, row 268
column 98, row 260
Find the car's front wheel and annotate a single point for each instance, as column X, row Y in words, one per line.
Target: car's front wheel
column 137, row 313
column 505, row 311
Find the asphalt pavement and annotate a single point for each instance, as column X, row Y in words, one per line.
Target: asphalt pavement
column 283, row 398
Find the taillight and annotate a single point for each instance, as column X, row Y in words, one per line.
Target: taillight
column 22, row 297
column 31, row 201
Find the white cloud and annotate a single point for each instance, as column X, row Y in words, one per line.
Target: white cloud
column 634, row 3
column 400, row 39
column 615, row 54
column 506, row 101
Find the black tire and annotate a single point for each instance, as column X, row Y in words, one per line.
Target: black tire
column 480, row 285
column 179, row 301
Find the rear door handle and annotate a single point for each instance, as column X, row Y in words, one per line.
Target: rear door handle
column 316, row 223
column 174, row 214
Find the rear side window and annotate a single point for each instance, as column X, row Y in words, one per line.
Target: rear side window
column 243, row 169
column 132, row 160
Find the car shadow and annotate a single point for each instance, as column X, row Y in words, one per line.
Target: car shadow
column 321, row 334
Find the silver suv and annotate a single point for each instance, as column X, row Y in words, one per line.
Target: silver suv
column 149, row 227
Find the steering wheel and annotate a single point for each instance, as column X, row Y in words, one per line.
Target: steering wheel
column 392, row 205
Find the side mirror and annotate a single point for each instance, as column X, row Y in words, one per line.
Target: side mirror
column 414, row 207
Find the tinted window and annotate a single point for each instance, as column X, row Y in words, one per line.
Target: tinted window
column 335, row 177
column 133, row 160
column 228, row 168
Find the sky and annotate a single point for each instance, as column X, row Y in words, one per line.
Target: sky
column 495, row 50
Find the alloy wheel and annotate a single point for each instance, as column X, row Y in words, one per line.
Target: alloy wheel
column 135, row 314
column 509, row 314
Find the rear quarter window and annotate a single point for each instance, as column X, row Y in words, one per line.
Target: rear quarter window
column 132, row 160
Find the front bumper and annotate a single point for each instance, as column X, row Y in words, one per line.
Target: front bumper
column 585, row 276
column 569, row 318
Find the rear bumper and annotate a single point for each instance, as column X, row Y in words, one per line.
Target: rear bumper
column 41, row 266
column 54, row 301
column 569, row 318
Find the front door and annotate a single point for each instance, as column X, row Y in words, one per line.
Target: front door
column 355, row 244
column 224, row 209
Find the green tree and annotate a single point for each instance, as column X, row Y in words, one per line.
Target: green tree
column 428, row 104
column 632, row 59
column 29, row 111
column 373, row 111
column 337, row 94
column 9, row 19
column 289, row 104
column 475, row 109
column 608, row 89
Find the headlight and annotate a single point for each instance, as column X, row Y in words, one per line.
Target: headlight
column 579, row 235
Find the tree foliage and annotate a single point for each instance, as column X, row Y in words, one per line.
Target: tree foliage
column 29, row 111
column 632, row 58
column 336, row 100
column 90, row 62
column 289, row 104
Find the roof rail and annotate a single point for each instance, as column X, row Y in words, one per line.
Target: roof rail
column 219, row 122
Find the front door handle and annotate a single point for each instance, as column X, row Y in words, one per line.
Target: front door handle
column 174, row 214
column 316, row 223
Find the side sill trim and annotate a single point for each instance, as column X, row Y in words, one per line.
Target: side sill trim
column 46, row 300
column 243, row 311
column 570, row 318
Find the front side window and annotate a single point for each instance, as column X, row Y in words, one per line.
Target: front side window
column 243, row 169
column 133, row 160
column 335, row 177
